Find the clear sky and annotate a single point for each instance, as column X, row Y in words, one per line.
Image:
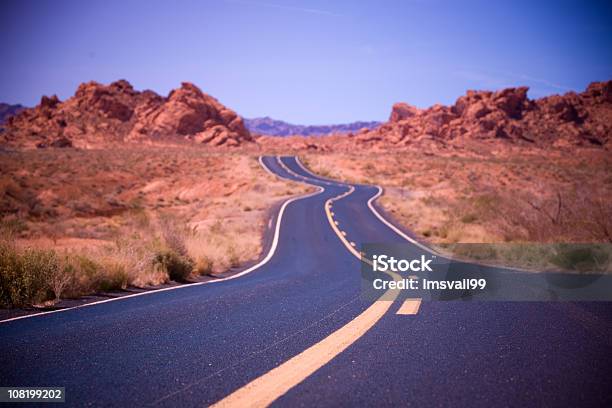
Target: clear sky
column 307, row 62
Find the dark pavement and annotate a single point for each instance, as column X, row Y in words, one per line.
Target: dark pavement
column 195, row 345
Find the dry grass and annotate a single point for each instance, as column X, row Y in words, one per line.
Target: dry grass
column 502, row 199
column 512, row 196
column 137, row 213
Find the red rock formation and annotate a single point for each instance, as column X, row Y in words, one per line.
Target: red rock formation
column 98, row 114
column 191, row 113
column 561, row 120
column 402, row 111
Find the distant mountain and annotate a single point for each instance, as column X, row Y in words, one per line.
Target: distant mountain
column 272, row 127
column 7, row 110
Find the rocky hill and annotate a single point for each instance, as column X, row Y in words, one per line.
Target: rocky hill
column 100, row 114
column 583, row 119
column 272, row 127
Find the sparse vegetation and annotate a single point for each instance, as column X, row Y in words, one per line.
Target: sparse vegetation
column 509, row 196
column 84, row 221
column 204, row 266
column 24, row 275
column 178, row 267
column 33, row 276
column 582, row 258
column 512, row 196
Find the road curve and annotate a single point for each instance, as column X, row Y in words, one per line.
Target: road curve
column 203, row 344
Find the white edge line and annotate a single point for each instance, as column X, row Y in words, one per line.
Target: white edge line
column 431, row 250
column 393, row 227
column 246, row 271
column 327, row 207
column 400, row 232
column 378, row 215
column 266, row 167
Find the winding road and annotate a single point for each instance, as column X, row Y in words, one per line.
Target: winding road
column 293, row 330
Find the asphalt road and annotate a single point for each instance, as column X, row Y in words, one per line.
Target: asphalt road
column 198, row 345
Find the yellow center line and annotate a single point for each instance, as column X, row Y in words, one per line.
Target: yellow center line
column 264, row 390
column 267, row 388
column 409, row 307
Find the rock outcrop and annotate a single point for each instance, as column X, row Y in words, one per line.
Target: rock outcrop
column 509, row 115
column 99, row 114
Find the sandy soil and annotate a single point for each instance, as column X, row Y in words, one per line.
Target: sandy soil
column 507, row 196
column 121, row 203
column 468, row 198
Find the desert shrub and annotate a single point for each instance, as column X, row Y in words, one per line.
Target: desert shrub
column 581, row 258
column 323, row 172
column 178, row 267
column 216, row 227
column 174, row 235
column 581, row 216
column 33, row 276
column 473, row 251
column 136, row 256
column 487, row 202
column 258, row 187
column 79, row 274
column 24, row 276
column 13, row 226
column 204, row 266
column 443, row 230
column 138, row 217
column 525, row 255
column 233, row 257
column 61, row 279
column 114, row 277
column 430, row 200
column 469, row 218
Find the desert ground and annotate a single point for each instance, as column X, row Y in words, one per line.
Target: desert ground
column 525, row 201
column 515, row 196
column 82, row 221
column 77, row 221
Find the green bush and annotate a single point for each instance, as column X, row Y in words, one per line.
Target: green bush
column 178, row 267
column 24, row 276
column 581, row 258
column 80, row 275
column 114, row 277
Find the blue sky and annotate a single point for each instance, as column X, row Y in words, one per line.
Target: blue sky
column 307, row 62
